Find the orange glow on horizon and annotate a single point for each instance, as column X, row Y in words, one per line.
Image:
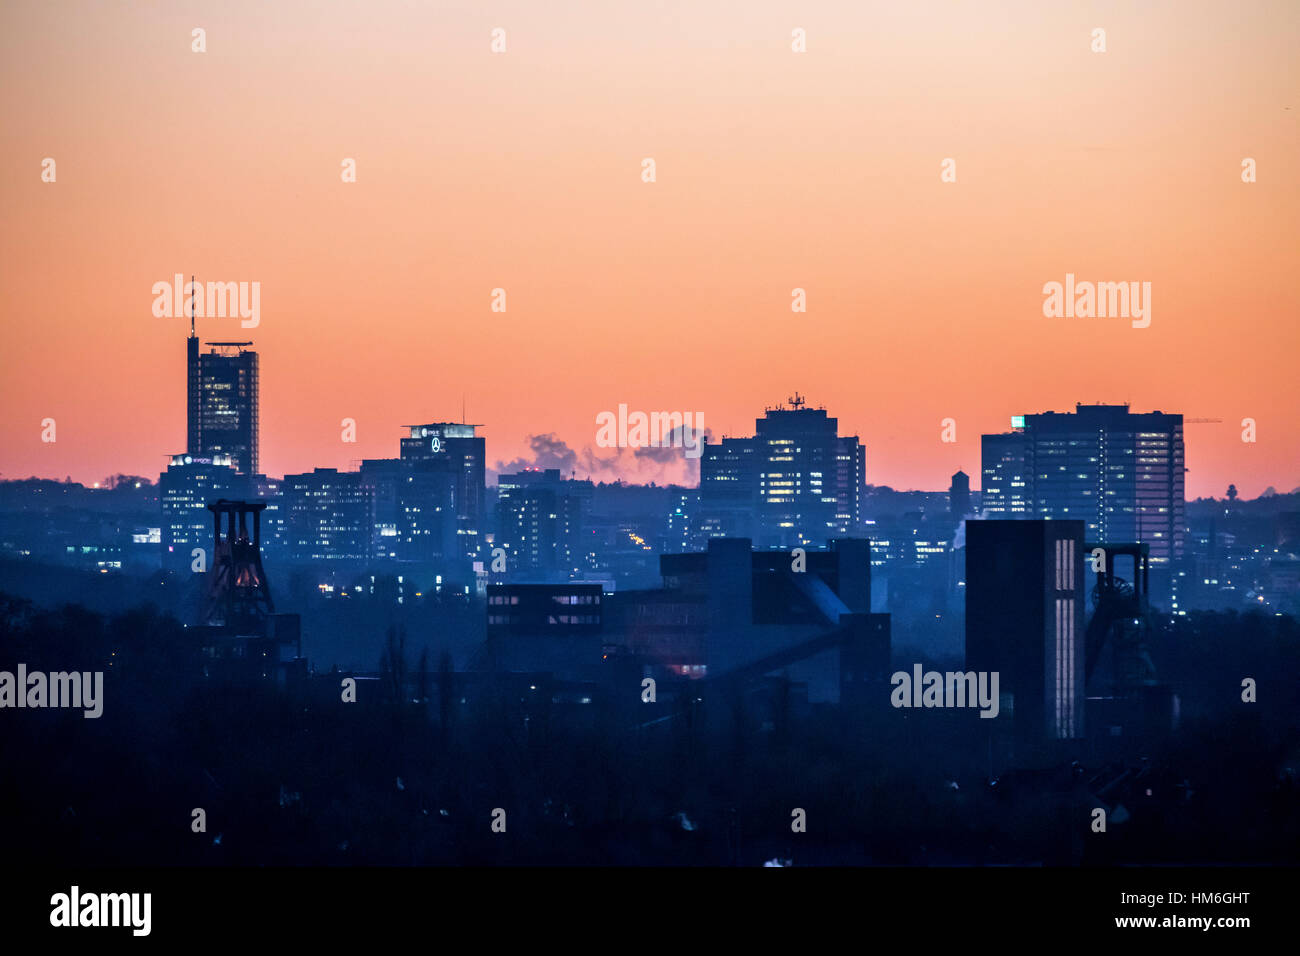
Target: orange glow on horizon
column 775, row 171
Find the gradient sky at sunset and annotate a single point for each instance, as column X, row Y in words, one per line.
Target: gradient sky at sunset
column 775, row 170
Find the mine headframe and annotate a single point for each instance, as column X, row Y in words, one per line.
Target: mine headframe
column 1121, row 610
column 238, row 595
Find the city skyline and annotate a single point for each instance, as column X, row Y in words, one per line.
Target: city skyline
column 444, row 438
column 775, row 172
column 596, row 465
column 548, row 447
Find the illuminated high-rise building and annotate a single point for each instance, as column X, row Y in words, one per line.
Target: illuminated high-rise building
column 328, row 516
column 1119, row 472
column 1004, row 485
column 799, row 481
column 540, row 520
column 222, row 403
column 455, row 450
column 184, row 491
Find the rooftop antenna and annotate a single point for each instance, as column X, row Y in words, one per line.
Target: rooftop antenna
column 797, row 401
column 192, row 333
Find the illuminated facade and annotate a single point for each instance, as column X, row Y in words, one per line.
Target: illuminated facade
column 184, row 491
column 222, row 403
column 1004, row 487
column 797, row 479
column 540, row 521
column 329, row 516
column 456, row 451
column 1119, row 472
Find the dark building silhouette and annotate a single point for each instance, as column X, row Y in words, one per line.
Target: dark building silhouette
column 222, row 403
column 734, row 613
column 724, row 619
column 959, row 495
column 1024, row 619
column 546, row 627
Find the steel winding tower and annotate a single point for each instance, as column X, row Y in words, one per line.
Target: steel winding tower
column 238, row 595
column 1120, row 620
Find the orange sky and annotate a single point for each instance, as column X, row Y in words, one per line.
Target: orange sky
column 775, row 170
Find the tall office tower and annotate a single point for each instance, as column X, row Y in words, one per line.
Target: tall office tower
column 803, row 480
column 329, row 516
column 185, row 490
column 456, row 450
column 222, row 403
column 540, row 521
column 959, row 495
column 1024, row 620
column 1119, row 472
column 810, row 480
column 1004, row 485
